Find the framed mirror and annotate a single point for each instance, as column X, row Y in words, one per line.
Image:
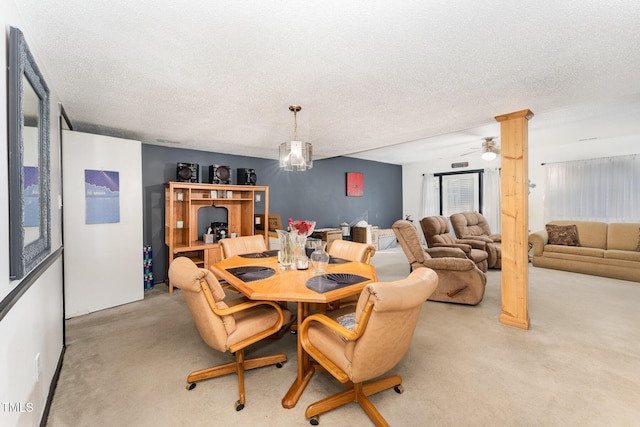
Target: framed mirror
column 29, row 172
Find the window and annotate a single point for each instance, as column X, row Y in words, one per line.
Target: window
column 605, row 189
column 460, row 192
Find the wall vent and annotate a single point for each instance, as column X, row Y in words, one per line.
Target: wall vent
column 460, row 165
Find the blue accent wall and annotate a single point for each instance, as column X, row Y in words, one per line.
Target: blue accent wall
column 318, row 194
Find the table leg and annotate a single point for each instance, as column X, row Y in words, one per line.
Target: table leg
column 305, row 368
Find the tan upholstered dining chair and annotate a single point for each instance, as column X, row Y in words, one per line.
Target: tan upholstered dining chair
column 460, row 281
column 359, row 346
column 350, row 251
column 473, row 225
column 243, row 245
column 225, row 327
column 436, row 232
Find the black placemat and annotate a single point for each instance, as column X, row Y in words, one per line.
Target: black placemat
column 251, row 272
column 265, row 254
column 333, row 260
column 329, row 282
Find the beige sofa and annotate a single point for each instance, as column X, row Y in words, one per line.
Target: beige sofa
column 609, row 250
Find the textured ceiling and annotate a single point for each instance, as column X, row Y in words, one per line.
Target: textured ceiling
column 220, row 76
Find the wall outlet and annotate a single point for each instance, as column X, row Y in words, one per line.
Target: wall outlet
column 258, row 197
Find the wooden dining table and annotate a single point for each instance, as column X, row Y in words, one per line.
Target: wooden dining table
column 291, row 286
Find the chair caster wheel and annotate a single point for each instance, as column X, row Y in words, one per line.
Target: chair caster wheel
column 239, row 406
column 293, row 332
column 315, row 420
column 191, row 386
column 279, row 365
column 399, row 389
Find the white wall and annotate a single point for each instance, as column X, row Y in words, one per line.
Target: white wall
column 103, row 262
column 540, row 151
column 34, row 325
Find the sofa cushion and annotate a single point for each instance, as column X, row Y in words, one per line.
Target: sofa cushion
column 574, row 250
column 576, row 258
column 623, row 255
column 623, row 236
column 566, row 235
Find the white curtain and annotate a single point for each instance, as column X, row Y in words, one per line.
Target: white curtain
column 606, row 189
column 430, row 205
column 491, row 199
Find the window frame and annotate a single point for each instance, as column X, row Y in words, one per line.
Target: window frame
column 479, row 172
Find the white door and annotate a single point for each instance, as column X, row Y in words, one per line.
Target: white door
column 102, row 202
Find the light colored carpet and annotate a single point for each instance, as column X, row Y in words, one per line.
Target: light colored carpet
column 578, row 365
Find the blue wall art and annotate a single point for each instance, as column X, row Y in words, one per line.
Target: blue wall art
column 102, row 193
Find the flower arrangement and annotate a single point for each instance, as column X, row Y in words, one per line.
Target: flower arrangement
column 303, row 228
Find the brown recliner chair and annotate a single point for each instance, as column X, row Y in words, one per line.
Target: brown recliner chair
column 436, row 232
column 226, row 328
column 473, row 225
column 365, row 344
column 460, row 280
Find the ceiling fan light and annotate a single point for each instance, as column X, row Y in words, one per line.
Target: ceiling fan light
column 489, row 155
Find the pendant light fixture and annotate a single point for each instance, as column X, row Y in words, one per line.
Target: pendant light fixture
column 295, row 155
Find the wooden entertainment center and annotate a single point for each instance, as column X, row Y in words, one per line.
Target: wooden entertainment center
column 183, row 200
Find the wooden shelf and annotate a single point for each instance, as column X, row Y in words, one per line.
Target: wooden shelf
column 182, row 202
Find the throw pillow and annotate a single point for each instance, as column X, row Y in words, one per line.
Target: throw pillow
column 566, row 235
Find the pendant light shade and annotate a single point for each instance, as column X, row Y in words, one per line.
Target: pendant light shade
column 296, row 155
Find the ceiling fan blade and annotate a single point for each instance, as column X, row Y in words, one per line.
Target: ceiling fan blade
column 470, row 152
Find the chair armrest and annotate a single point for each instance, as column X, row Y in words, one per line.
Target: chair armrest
column 446, row 252
column 496, row 237
column 475, row 244
column 479, row 238
column 332, row 325
column 538, row 240
column 242, row 307
column 466, row 248
column 336, row 327
column 245, row 306
column 450, row 264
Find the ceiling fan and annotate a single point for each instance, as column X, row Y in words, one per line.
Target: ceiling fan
column 489, row 149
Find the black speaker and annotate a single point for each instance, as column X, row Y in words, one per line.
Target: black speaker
column 246, row 176
column 219, row 174
column 188, row 172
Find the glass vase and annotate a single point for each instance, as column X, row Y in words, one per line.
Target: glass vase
column 302, row 262
column 286, row 256
column 319, row 259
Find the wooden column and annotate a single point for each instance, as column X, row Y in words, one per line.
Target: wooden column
column 515, row 233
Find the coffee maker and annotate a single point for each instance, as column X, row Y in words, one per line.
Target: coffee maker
column 219, row 230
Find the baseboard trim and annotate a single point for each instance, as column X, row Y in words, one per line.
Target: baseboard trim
column 52, row 388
